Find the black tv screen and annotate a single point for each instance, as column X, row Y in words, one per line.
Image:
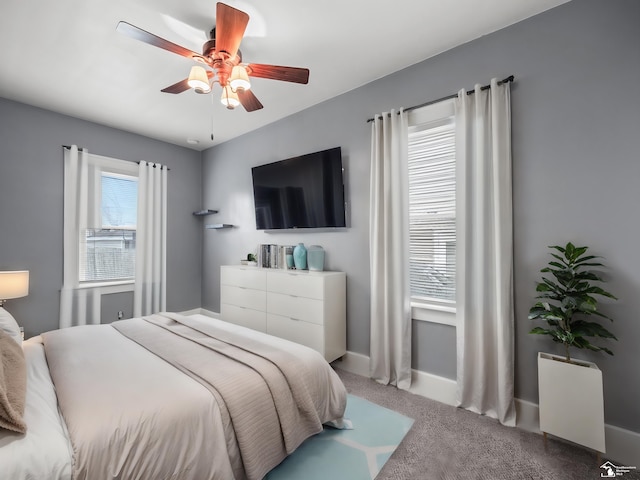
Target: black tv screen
column 300, row 192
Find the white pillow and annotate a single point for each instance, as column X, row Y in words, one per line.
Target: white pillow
column 9, row 325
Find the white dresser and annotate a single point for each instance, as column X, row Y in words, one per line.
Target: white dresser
column 301, row 306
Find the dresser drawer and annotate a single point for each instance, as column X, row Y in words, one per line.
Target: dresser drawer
column 245, row 317
column 303, row 307
column 243, row 297
column 297, row 331
column 248, row 277
column 298, row 284
column 298, row 308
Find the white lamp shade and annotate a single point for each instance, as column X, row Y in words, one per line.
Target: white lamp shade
column 14, row 284
column 239, row 78
column 229, row 98
column 198, row 79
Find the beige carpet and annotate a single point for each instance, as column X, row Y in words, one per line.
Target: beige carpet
column 451, row 443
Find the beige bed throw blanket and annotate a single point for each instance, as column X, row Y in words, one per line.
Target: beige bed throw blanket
column 264, row 392
column 13, row 384
column 168, row 396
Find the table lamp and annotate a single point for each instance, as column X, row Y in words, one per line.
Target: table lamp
column 13, row 284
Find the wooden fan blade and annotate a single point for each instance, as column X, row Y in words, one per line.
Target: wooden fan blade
column 276, row 72
column 230, row 26
column 146, row 37
column 181, row 86
column 248, row 100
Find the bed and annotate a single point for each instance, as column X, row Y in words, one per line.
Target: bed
column 165, row 397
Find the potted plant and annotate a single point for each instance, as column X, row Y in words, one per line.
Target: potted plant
column 570, row 391
column 569, row 298
column 250, row 260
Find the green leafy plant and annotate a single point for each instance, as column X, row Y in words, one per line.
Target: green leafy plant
column 568, row 299
column 251, row 257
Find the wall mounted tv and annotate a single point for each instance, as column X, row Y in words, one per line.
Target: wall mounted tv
column 300, row 192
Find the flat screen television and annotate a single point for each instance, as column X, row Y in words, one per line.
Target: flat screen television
column 300, row 192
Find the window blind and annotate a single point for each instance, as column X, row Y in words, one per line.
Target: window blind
column 432, row 209
column 109, row 253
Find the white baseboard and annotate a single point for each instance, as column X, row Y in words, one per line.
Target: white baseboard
column 623, row 446
column 434, row 387
column 527, row 415
column 209, row 313
column 425, row 384
column 202, row 311
column 354, row 363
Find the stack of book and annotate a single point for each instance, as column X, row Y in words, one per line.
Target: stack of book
column 272, row 256
column 268, row 256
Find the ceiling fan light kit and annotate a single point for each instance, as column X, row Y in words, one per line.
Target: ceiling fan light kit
column 198, row 80
column 239, row 78
column 221, row 56
column 229, row 98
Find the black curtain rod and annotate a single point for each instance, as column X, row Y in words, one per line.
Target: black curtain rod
column 68, row 147
column 510, row 78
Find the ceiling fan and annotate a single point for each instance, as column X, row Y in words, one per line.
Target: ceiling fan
column 221, row 61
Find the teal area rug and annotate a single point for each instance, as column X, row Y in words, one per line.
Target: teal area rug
column 357, row 454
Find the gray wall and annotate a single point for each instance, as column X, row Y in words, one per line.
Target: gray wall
column 31, row 194
column 576, row 138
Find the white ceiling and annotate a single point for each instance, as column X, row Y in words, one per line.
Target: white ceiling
column 66, row 55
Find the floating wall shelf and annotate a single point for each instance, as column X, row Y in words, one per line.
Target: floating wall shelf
column 217, row 226
column 202, row 213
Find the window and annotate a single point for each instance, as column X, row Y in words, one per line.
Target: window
column 432, row 209
column 101, row 209
column 108, row 252
column 104, row 227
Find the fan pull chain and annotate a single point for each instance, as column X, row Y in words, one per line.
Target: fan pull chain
column 212, row 104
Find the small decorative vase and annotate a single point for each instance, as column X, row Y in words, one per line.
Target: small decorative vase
column 315, row 258
column 288, row 254
column 300, row 257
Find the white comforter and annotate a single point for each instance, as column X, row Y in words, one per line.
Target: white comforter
column 186, row 448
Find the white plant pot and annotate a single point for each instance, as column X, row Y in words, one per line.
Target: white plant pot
column 571, row 400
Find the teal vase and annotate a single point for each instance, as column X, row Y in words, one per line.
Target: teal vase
column 315, row 258
column 289, row 256
column 300, row 257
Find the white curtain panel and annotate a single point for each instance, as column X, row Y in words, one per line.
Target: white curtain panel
column 390, row 341
column 78, row 306
column 485, row 318
column 151, row 241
